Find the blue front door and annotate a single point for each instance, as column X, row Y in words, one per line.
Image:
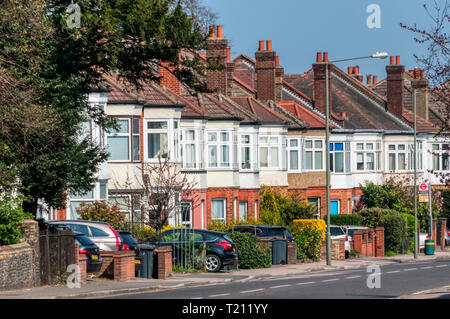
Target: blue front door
column 334, row 207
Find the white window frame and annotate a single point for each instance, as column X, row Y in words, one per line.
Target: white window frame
column 197, row 148
column 270, row 144
column 313, row 150
column 299, row 149
column 224, row 219
column 346, row 150
column 376, row 151
column 128, row 135
column 439, row 153
column 396, row 152
column 170, row 131
column 250, row 146
column 218, row 144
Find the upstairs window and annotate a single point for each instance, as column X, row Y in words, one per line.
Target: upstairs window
column 294, row 154
column 314, row 154
column 440, row 156
column 157, row 139
column 246, row 151
column 368, row 156
column 219, row 146
column 397, row 157
column 269, row 151
column 340, row 157
column 119, row 141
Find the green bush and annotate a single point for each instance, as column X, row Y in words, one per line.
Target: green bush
column 371, row 217
column 344, row 219
column 11, row 218
column 250, row 254
column 395, row 233
column 410, row 228
column 268, row 209
column 445, row 212
column 309, row 243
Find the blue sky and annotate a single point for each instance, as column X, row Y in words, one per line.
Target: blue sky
column 300, row 28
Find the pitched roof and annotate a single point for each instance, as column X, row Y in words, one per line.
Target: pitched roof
column 313, row 120
column 422, row 124
column 363, row 108
column 262, row 112
column 150, row 94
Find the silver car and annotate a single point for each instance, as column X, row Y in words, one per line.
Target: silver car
column 101, row 233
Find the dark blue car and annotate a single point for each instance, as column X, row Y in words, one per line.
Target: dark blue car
column 264, row 231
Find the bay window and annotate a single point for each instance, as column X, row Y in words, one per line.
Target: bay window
column 314, row 155
column 189, row 150
column 294, row 153
column 269, row 149
column 440, row 156
column 157, row 139
column 246, row 151
column 340, row 157
column 397, row 160
column 219, row 146
column 368, row 156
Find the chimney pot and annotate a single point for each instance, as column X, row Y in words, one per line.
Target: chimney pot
column 228, row 54
column 261, row 45
column 319, row 57
column 392, row 60
column 325, row 57
column 422, row 74
column 375, row 79
column 349, row 70
column 277, row 60
column 269, row 45
column 369, row 78
column 212, row 31
column 397, row 60
column 219, row 32
column 356, row 70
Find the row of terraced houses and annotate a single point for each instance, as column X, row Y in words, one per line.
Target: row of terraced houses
column 262, row 126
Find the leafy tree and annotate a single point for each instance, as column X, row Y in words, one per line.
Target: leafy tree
column 293, row 207
column 48, row 67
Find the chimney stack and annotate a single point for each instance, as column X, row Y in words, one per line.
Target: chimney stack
column 269, row 75
column 395, row 87
column 218, row 52
column 319, row 92
column 369, row 79
column 375, row 80
column 420, row 84
column 167, row 79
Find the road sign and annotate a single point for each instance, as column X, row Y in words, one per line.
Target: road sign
column 423, row 188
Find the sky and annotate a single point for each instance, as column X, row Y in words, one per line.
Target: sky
column 300, row 28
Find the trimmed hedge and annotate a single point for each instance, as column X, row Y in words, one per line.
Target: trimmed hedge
column 341, row 220
column 303, row 224
column 395, row 233
column 251, row 255
column 309, row 243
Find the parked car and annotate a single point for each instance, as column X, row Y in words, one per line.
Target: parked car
column 447, row 237
column 101, row 233
column 349, row 230
column 264, row 231
column 128, row 241
column 339, row 232
column 87, row 247
column 220, row 249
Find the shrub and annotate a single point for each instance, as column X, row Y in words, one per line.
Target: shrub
column 269, row 213
column 144, row 234
column 222, row 227
column 251, row 255
column 309, row 242
column 410, row 228
column 395, row 233
column 218, row 226
column 302, row 224
column 101, row 211
column 371, row 217
column 11, row 218
column 293, row 207
column 344, row 219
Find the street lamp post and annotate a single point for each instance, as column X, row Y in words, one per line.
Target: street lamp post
column 415, row 180
column 377, row 55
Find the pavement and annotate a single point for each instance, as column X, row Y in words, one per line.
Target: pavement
column 98, row 287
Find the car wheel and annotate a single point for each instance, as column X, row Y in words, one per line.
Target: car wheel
column 213, row 263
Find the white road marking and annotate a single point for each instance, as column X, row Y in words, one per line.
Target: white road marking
column 392, row 272
column 336, row 279
column 248, row 291
column 220, row 295
column 352, row 277
column 409, row 269
column 440, row 266
column 280, row 286
column 305, row 283
column 428, row 267
column 197, row 298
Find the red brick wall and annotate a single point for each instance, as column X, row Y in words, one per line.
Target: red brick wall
column 168, row 80
column 217, row 79
column 266, row 75
column 395, row 87
column 164, row 262
column 319, row 87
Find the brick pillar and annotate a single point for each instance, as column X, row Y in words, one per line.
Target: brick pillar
column 357, row 241
column 164, row 266
column 443, row 230
column 81, row 260
column 291, row 253
column 124, row 266
column 30, row 234
column 379, row 233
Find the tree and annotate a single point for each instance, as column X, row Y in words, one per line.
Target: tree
column 54, row 70
column 436, row 61
column 160, row 187
column 268, row 211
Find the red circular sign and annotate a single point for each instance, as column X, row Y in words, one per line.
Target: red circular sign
column 423, row 187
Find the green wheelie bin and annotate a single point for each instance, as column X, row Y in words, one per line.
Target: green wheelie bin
column 429, row 247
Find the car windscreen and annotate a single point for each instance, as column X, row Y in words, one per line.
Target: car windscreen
column 84, row 241
column 336, row 231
